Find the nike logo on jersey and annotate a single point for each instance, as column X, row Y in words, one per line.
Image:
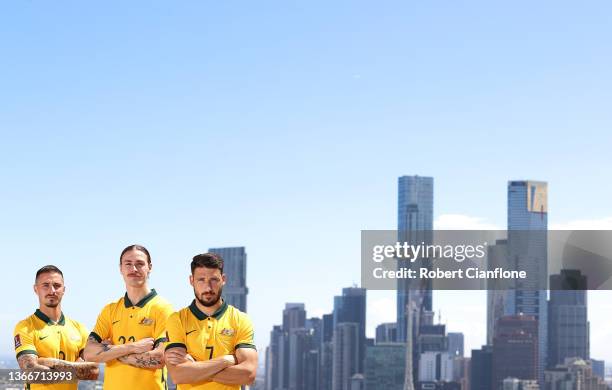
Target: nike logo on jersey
column 114, row 322
column 191, row 331
column 43, row 337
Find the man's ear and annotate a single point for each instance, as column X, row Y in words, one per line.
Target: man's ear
column 191, row 280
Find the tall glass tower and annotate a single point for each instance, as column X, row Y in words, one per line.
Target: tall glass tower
column 235, row 290
column 414, row 225
column 527, row 248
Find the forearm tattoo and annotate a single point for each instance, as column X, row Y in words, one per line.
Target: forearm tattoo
column 141, row 360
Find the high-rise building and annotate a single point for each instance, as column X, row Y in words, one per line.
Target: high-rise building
column 432, row 338
column 436, row 367
column 384, row 366
column 497, row 294
column 294, row 316
column 273, row 361
column 357, row 382
column 312, row 367
column 326, row 352
column 527, row 250
column 455, row 344
column 481, row 369
column 518, row 384
column 301, row 343
column 568, row 326
column 327, row 327
column 234, row 264
column 345, row 355
column 575, row 373
column 515, row 349
column 316, row 325
column 386, row 333
column 461, row 371
column 599, row 368
column 414, row 225
column 351, row 307
column 326, row 367
column 280, row 351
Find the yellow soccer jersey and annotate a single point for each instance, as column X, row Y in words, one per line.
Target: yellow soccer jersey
column 207, row 337
column 40, row 336
column 124, row 322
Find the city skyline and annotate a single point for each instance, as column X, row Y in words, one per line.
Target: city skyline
column 283, row 129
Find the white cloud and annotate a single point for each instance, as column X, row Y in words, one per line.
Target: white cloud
column 381, row 308
column 463, row 222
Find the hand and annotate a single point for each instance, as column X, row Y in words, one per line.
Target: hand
column 141, row 346
column 176, row 356
column 231, row 359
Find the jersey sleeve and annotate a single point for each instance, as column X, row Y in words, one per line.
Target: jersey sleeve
column 175, row 332
column 24, row 340
column 244, row 335
column 102, row 330
column 159, row 330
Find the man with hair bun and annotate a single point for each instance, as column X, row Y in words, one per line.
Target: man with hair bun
column 129, row 335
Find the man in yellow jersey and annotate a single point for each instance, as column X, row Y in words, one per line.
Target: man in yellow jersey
column 129, row 335
column 48, row 340
column 210, row 343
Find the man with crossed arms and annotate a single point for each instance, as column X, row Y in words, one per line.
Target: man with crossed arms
column 210, row 343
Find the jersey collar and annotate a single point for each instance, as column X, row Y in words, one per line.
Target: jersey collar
column 142, row 302
column 43, row 317
column 202, row 316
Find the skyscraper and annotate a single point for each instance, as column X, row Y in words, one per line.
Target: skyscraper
column 273, row 362
column 481, row 369
column 294, row 316
column 350, row 307
column 455, row 344
column 384, row 366
column 414, row 225
column 386, row 333
column 515, row 349
column 497, row 295
column 235, row 290
column 326, row 356
column 301, row 343
column 345, row 354
column 527, row 250
column 568, row 326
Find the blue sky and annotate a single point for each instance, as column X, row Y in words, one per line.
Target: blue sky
column 283, row 127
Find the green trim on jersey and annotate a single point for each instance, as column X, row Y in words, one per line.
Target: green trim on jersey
column 43, row 317
column 202, row 316
column 142, row 302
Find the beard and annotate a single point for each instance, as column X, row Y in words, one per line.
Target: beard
column 211, row 302
column 53, row 303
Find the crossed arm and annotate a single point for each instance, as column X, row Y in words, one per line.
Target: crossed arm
column 139, row 354
column 83, row 370
column 243, row 373
column 228, row 369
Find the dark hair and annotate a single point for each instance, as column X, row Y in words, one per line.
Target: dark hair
column 48, row 269
column 208, row 260
column 135, row 248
